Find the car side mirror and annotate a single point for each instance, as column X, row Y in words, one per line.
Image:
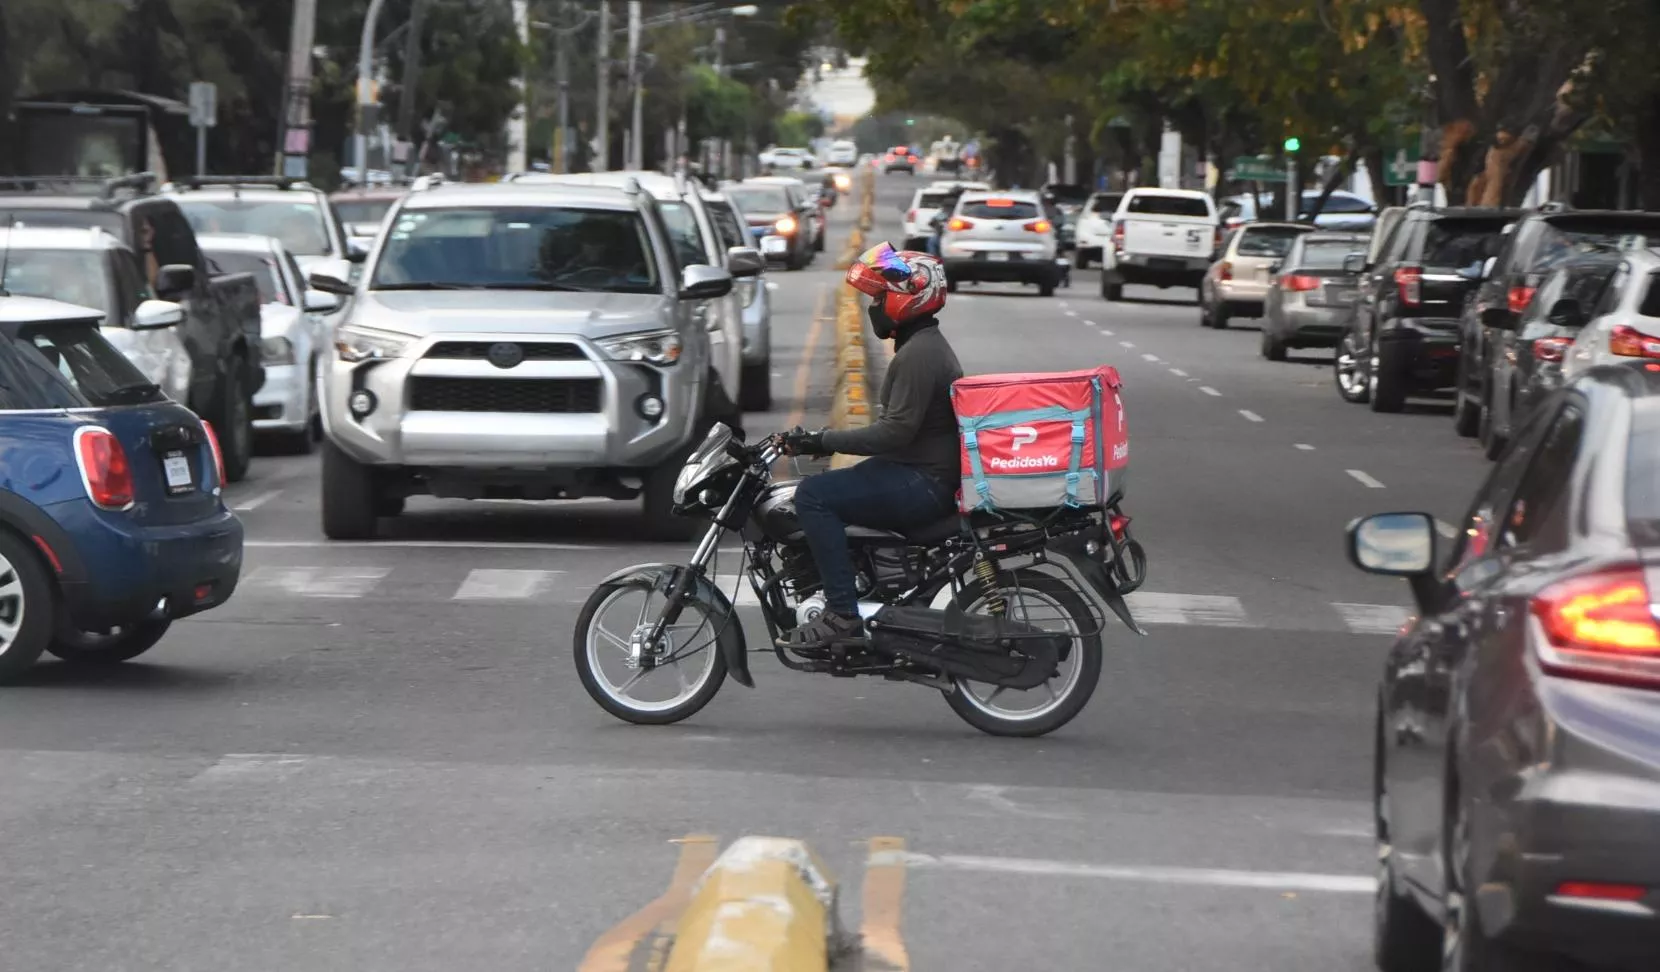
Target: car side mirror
column 357, row 250
column 1354, row 263
column 1397, row 545
column 745, row 261
column 321, row 302
column 703, row 282
column 175, row 280
column 153, row 315
column 1566, row 312
column 331, row 285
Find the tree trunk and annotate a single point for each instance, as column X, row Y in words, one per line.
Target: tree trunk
column 1372, row 155
column 1455, row 93
column 1647, row 139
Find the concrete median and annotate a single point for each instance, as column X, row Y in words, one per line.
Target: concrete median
column 767, row 904
column 851, row 407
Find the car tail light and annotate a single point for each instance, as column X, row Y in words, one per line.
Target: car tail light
column 1039, row 226
column 1224, row 270
column 105, row 473
column 1216, row 241
column 1600, row 626
column 958, row 224
column 910, row 217
column 1300, row 282
column 1631, row 343
column 1118, row 235
column 218, row 454
column 1551, row 349
column 785, row 225
column 1599, row 891
column 911, row 158
column 1519, row 298
column 1409, row 281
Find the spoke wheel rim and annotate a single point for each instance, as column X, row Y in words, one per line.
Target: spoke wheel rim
column 983, row 697
column 692, row 670
column 12, row 606
column 1348, row 368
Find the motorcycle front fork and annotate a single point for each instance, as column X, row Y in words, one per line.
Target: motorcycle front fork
column 684, row 580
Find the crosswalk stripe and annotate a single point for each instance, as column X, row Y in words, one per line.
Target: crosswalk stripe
column 1212, row 610
column 1372, row 618
column 317, row 581
column 492, row 583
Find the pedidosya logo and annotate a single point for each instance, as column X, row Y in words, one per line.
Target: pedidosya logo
column 1025, row 462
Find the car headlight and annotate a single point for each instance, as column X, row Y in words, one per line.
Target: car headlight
column 652, row 347
column 785, row 226
column 366, row 344
column 276, row 351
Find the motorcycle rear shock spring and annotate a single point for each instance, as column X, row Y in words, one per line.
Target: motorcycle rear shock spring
column 986, row 572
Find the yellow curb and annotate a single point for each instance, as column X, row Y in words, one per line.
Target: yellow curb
column 767, row 904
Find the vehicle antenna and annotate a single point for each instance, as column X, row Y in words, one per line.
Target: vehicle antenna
column 6, row 256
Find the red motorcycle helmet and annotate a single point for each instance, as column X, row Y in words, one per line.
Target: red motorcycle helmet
column 908, row 283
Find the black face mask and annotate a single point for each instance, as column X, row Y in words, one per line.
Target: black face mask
column 881, row 324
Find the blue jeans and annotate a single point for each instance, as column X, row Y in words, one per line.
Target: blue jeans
column 877, row 493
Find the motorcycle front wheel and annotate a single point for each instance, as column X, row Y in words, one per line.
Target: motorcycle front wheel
column 688, row 667
column 1052, row 604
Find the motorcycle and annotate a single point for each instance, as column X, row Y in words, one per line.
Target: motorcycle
column 959, row 606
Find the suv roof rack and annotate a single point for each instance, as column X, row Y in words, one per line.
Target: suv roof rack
column 1555, row 206
column 631, row 186
column 141, row 182
column 431, row 180
column 236, row 182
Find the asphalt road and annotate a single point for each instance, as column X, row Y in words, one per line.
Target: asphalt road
column 378, row 756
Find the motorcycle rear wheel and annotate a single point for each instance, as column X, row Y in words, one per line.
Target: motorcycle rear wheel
column 699, row 623
column 976, row 704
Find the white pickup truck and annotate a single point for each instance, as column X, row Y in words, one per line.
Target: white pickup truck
column 1163, row 237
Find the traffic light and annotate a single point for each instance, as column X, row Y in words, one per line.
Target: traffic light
column 1293, row 144
column 910, row 121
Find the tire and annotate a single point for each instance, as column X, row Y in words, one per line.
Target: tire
column 1272, row 347
column 27, row 608
column 1046, row 288
column 1219, row 317
column 1349, row 373
column 1204, row 314
column 657, row 498
column 1404, row 938
column 755, row 387
column 1388, row 386
column 1112, row 291
column 1080, row 261
column 704, row 693
column 1087, row 649
column 950, row 284
column 125, row 644
column 349, row 496
column 1466, row 413
column 1465, row 946
column 233, row 422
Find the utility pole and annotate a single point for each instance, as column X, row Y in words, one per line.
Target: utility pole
column 636, row 144
column 562, row 76
column 365, row 87
column 294, row 143
column 602, row 93
column 411, row 80
column 518, row 155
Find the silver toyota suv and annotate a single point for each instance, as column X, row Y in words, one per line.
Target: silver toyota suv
column 519, row 342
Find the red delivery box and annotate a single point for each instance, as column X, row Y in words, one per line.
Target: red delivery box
column 1039, row 441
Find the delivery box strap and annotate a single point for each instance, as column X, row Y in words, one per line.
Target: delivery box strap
column 982, row 485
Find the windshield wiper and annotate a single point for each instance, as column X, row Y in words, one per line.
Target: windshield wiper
column 547, row 285
column 427, row 285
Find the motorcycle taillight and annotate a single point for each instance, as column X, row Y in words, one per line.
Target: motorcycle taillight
column 1120, row 525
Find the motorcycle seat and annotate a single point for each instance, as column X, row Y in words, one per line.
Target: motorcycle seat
column 949, row 526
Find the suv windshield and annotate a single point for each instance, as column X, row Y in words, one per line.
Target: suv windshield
column 1267, row 241
column 267, row 276
column 70, row 365
column 520, row 248
column 72, row 276
column 1159, row 205
column 998, row 209
column 1459, row 243
column 298, row 223
column 362, row 210
column 760, row 200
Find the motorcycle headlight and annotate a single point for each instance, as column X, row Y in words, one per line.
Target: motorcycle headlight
column 652, row 347
column 276, row 351
column 367, row 344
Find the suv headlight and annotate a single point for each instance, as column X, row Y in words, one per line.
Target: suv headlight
column 276, row 351
column 652, row 347
column 366, row 344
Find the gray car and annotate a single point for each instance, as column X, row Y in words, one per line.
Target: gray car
column 519, row 342
column 1311, row 296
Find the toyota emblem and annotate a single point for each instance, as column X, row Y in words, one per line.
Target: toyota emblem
column 506, row 355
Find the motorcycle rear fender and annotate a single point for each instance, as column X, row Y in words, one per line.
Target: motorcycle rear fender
column 733, row 648
column 1094, row 573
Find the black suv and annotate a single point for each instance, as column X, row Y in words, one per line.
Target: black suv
column 221, row 323
column 1540, row 242
column 1403, row 337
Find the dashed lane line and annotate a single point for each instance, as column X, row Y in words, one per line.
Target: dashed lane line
column 1251, row 416
column 1150, row 357
column 1071, row 313
column 494, row 583
column 1363, row 479
column 256, row 502
column 1092, row 324
column 1126, row 344
column 1179, row 373
column 1372, row 618
column 1304, row 446
column 1210, row 391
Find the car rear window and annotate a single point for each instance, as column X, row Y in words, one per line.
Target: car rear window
column 1339, row 204
column 70, row 365
column 1267, row 241
column 362, row 210
column 999, row 209
column 1157, row 205
column 1460, row 243
column 299, row 223
column 1106, row 204
column 1560, row 242
column 1328, row 254
column 933, row 200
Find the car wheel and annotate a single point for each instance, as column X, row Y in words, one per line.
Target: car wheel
column 657, row 502
column 349, row 496
column 1492, row 443
column 1466, row 413
column 1272, row 347
column 1387, row 384
column 950, row 284
column 26, row 606
column 123, row 643
column 755, row 387
column 1404, row 938
column 1465, row 945
column 1046, row 288
column 234, row 424
column 1219, row 317
column 1112, row 291
column 1204, row 313
column 1081, row 261
column 1349, row 371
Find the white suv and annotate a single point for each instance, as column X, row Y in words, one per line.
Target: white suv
column 926, row 204
column 1001, row 237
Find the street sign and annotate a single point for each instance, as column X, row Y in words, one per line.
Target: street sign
column 1401, row 167
column 1256, row 168
column 204, row 104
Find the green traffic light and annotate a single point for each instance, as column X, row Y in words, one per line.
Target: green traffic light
column 1293, row 144
column 910, row 121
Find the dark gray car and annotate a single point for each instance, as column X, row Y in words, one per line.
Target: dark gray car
column 1311, row 294
column 1517, row 738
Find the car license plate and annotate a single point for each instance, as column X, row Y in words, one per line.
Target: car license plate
column 176, row 465
column 997, row 256
column 1342, row 297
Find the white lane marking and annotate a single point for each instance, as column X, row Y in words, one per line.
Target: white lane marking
column 1372, row 618
column 1105, row 332
column 1305, row 447
column 1210, row 610
column 1250, row 416
column 1200, row 876
column 737, row 589
column 245, row 766
column 1210, row 391
column 317, row 581
column 1179, row 373
column 1363, row 479
column 1092, row 324
column 1071, row 313
column 494, row 583
column 257, row 501
column 1149, row 357
column 433, row 544
column 1126, row 344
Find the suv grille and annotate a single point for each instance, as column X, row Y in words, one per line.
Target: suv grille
column 480, row 350
column 566, row 395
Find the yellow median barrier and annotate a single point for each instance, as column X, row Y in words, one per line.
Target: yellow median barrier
column 767, row 904
column 850, row 407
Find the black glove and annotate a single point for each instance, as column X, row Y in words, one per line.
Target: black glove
column 802, row 443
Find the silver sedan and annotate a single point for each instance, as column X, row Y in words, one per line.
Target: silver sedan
column 1312, row 294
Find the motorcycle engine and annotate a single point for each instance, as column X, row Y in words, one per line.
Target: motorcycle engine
column 809, row 609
